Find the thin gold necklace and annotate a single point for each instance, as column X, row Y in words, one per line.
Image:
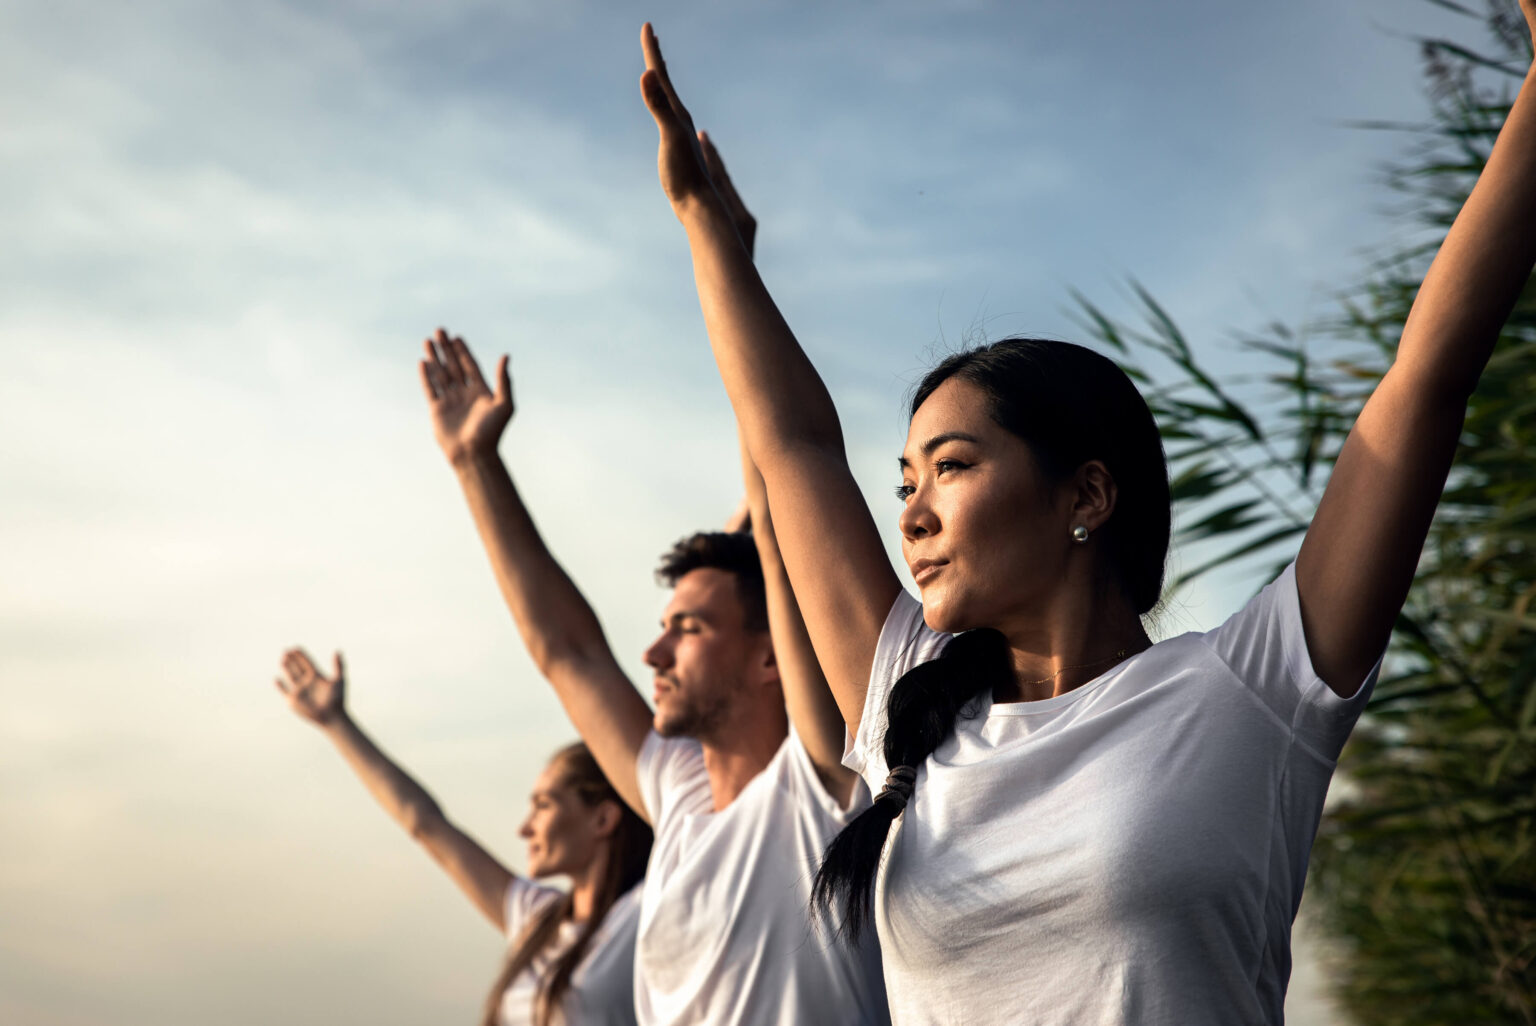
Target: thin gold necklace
column 1119, row 655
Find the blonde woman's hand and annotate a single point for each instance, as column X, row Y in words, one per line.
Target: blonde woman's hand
column 312, row 695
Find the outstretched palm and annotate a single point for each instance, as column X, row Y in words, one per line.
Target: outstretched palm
column 311, row 694
column 467, row 417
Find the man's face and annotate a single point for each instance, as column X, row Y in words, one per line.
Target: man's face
column 705, row 659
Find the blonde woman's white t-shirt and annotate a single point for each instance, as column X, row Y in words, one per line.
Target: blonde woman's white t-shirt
column 602, row 989
column 1131, row 852
column 726, row 933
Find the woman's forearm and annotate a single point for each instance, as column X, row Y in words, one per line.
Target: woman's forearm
column 476, row 872
column 401, row 797
column 1481, row 267
column 780, row 401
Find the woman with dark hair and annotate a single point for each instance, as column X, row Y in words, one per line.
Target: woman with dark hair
column 571, row 955
column 1075, row 825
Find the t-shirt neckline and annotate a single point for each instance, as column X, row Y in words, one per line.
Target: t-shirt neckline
column 1037, row 706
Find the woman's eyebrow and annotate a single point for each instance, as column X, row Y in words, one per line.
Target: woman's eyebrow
column 937, row 440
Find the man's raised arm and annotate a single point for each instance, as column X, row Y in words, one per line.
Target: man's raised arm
column 559, row 628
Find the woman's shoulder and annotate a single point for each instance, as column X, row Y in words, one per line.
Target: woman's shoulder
column 905, row 641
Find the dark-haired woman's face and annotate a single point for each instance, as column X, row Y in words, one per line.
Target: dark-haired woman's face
column 983, row 532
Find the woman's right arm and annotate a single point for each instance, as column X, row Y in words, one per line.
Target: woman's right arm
column 320, row 700
column 830, row 544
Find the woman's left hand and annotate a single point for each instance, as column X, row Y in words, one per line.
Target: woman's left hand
column 679, row 159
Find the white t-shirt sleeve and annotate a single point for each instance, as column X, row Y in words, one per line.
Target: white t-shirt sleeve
column 807, row 791
column 671, row 775
column 1266, row 648
column 524, row 900
column 905, row 641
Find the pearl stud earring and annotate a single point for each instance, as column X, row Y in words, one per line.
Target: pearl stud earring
column 1079, row 534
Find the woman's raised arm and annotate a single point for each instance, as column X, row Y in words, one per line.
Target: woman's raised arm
column 829, row 542
column 321, row 700
column 1360, row 554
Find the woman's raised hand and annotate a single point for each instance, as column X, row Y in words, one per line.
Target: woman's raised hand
column 467, row 417
column 311, row 694
column 679, row 158
column 746, row 224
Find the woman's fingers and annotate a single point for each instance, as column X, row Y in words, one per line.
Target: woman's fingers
column 426, row 381
column 432, row 371
column 446, row 358
column 656, row 84
column 469, row 369
column 337, row 666
column 665, row 77
column 504, row 380
column 650, row 46
column 658, row 102
column 301, row 668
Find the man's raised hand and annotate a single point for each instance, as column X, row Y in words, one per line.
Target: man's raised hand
column 467, row 417
column 311, row 694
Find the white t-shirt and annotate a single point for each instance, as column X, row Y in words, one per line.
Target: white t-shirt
column 602, row 989
column 726, row 933
column 1130, row 852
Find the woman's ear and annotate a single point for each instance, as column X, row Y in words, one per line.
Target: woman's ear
column 1095, row 495
column 606, row 816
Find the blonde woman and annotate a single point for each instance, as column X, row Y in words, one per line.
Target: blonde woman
column 571, row 954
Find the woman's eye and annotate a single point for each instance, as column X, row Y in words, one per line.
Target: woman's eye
column 943, row 466
column 904, row 492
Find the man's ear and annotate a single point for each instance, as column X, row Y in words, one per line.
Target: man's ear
column 1094, row 496
column 769, row 665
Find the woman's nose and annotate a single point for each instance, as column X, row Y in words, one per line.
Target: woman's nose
column 917, row 519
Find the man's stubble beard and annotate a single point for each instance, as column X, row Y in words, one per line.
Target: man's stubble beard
column 695, row 719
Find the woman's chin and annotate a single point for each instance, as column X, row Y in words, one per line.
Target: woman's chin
column 940, row 614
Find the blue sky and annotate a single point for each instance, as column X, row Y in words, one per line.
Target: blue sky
column 229, row 225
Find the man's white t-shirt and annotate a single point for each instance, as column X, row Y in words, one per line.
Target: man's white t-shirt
column 726, row 933
column 602, row 989
column 1130, row 852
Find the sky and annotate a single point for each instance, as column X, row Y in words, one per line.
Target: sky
column 228, row 226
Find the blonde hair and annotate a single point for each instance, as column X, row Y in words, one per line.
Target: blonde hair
column 628, row 849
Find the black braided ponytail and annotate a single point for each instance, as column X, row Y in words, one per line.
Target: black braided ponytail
column 921, row 714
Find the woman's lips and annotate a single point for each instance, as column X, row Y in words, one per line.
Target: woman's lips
column 924, row 570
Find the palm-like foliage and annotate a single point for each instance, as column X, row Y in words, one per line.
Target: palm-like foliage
column 1426, row 860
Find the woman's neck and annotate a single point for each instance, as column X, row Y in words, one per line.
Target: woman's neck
column 1078, row 638
column 584, row 888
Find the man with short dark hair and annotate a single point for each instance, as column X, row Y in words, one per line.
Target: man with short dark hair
column 742, row 804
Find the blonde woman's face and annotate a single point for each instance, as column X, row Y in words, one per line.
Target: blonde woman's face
column 561, row 829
